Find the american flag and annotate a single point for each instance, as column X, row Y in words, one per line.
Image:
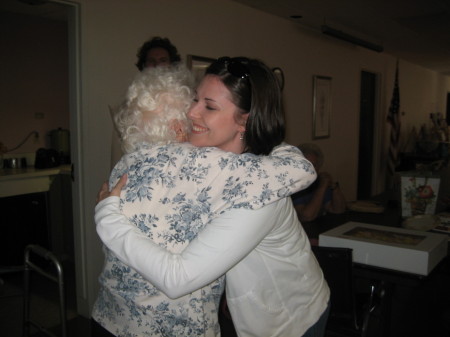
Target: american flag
column 393, row 118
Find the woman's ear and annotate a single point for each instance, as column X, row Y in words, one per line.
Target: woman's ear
column 180, row 129
column 242, row 122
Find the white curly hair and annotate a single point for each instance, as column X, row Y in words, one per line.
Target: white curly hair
column 155, row 107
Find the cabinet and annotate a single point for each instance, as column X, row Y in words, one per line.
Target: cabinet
column 60, row 217
column 24, row 220
column 35, row 207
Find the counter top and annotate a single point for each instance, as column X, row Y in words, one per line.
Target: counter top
column 28, row 180
column 29, row 172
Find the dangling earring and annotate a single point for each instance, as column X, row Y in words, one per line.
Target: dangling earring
column 242, row 136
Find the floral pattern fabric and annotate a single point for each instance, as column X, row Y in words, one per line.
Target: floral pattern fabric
column 172, row 192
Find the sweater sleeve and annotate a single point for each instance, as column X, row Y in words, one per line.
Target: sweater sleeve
column 217, row 248
column 283, row 172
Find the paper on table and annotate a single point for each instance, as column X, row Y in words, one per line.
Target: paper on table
column 365, row 206
column 421, row 222
column 444, row 226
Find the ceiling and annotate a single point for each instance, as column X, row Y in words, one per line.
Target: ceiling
column 41, row 8
column 417, row 31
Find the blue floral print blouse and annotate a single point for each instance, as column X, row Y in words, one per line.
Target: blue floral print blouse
column 172, row 192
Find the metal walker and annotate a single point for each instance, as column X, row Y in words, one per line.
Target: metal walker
column 30, row 265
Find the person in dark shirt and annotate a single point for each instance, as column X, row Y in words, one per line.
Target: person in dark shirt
column 323, row 196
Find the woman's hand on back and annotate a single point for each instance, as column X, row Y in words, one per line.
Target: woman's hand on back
column 105, row 193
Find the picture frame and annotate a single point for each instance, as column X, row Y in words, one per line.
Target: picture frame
column 198, row 65
column 419, row 193
column 321, row 106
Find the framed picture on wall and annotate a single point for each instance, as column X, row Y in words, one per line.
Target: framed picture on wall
column 419, row 193
column 198, row 65
column 321, row 106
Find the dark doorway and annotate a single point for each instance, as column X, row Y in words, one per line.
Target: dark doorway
column 366, row 134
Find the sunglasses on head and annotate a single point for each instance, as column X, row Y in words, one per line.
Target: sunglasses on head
column 235, row 66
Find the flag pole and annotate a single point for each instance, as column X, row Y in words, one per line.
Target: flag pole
column 393, row 118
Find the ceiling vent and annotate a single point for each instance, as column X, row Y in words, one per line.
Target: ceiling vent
column 350, row 38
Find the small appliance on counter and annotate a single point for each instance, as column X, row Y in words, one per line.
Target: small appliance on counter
column 14, row 163
column 60, row 142
column 47, row 158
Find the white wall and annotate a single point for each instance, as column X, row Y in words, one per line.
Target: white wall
column 33, row 81
column 112, row 31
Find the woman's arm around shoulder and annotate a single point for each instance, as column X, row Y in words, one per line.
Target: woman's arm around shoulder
column 217, row 248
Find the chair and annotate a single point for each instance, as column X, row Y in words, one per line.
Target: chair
column 350, row 313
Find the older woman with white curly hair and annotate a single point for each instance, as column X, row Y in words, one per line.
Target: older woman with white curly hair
column 155, row 108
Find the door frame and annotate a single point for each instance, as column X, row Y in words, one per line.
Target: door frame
column 74, row 41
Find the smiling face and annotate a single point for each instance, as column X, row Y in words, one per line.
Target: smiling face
column 215, row 118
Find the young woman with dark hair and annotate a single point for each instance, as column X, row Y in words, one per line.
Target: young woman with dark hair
column 274, row 285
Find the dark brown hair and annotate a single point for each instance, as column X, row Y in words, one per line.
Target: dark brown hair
column 255, row 91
